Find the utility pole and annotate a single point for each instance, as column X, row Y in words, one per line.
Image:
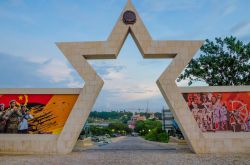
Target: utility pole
column 147, row 110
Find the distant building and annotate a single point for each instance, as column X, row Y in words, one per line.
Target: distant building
column 152, row 116
column 87, row 125
column 170, row 125
column 134, row 119
column 167, row 120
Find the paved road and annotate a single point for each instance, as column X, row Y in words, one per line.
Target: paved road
column 135, row 143
column 128, row 151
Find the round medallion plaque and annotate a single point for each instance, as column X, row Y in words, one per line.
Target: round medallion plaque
column 129, row 17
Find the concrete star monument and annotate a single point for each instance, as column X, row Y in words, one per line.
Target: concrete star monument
column 181, row 52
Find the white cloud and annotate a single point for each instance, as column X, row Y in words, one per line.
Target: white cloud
column 229, row 9
column 242, row 29
column 124, row 88
column 75, row 84
column 57, row 72
column 114, row 74
column 184, row 83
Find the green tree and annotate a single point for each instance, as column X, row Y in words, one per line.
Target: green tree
column 119, row 128
column 152, row 130
column 140, row 127
column 223, row 62
column 157, row 135
column 95, row 130
column 112, row 116
column 144, row 127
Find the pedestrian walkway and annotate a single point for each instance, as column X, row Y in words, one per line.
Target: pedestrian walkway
column 128, row 151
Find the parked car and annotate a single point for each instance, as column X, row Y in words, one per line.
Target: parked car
column 107, row 141
column 116, row 135
column 107, row 135
column 134, row 134
column 95, row 139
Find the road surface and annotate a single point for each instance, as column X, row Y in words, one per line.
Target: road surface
column 128, row 151
column 134, row 143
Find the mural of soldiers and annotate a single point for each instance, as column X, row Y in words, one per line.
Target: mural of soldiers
column 220, row 113
column 200, row 121
column 195, row 111
column 23, row 125
column 209, row 114
column 223, row 113
column 205, row 119
column 206, row 103
column 2, row 120
column 232, row 120
column 236, row 119
column 12, row 116
column 242, row 122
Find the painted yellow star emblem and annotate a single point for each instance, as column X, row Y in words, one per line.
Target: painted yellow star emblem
column 20, row 98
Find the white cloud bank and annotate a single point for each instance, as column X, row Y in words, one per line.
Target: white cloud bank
column 124, row 88
column 242, row 29
column 57, row 71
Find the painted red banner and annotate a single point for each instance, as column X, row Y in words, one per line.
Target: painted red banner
column 25, row 99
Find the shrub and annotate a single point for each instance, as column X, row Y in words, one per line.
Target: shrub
column 154, row 135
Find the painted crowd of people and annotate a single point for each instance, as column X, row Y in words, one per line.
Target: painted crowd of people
column 14, row 119
column 212, row 114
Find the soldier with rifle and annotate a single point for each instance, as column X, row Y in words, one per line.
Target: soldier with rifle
column 2, row 120
column 12, row 117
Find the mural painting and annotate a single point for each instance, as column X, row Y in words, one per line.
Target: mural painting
column 220, row 111
column 35, row 113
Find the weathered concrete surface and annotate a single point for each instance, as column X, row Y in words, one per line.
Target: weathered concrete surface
column 128, row 151
column 87, row 142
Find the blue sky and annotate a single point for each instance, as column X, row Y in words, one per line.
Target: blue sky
column 29, row 29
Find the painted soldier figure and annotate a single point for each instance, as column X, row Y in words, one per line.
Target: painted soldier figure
column 23, row 125
column 12, row 116
column 2, row 120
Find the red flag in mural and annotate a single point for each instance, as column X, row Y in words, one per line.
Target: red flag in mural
column 25, row 99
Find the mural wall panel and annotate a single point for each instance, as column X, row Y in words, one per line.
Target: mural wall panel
column 220, row 111
column 35, row 113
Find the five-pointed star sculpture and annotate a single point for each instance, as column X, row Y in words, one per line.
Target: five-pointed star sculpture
column 182, row 52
